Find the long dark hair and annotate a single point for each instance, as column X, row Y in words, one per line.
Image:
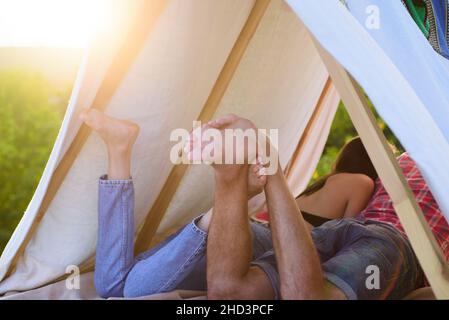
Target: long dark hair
column 352, row 158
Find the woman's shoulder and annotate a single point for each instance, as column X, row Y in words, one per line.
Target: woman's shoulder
column 351, row 179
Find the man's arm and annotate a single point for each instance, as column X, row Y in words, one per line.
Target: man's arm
column 297, row 259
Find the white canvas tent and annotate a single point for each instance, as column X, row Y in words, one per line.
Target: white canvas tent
column 170, row 62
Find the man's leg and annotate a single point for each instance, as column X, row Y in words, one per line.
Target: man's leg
column 229, row 271
column 256, row 183
column 229, row 274
column 298, row 262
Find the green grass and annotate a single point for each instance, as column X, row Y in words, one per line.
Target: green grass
column 31, row 110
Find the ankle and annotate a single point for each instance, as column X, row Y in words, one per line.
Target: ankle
column 119, row 153
column 231, row 173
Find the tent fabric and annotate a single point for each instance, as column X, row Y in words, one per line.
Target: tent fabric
column 403, row 76
column 277, row 84
column 191, row 41
column 301, row 170
column 86, row 291
column 63, row 290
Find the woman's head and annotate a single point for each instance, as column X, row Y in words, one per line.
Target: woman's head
column 353, row 158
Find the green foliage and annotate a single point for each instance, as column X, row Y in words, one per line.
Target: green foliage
column 30, row 116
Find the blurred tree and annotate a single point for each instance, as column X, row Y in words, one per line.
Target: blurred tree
column 30, row 116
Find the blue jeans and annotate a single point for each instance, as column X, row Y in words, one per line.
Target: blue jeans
column 351, row 253
column 179, row 262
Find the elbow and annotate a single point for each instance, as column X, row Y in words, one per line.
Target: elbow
column 223, row 290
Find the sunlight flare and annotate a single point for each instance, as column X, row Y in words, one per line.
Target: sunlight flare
column 59, row 23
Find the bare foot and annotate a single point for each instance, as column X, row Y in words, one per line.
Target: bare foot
column 200, row 148
column 119, row 135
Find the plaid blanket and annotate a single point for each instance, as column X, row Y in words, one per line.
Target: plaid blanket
column 431, row 16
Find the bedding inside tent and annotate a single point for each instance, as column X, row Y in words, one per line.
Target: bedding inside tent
column 277, row 77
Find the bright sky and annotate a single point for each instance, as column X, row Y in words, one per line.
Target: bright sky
column 55, row 23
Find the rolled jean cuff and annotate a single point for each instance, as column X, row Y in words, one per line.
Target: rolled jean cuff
column 194, row 227
column 104, row 181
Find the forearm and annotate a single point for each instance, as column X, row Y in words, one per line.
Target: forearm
column 229, row 248
column 298, row 262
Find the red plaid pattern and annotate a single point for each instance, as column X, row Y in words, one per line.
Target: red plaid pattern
column 380, row 207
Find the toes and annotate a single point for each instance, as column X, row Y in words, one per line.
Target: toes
column 84, row 115
column 223, row 121
column 213, row 124
column 260, row 161
column 259, row 170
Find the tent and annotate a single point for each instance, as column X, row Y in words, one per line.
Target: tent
column 283, row 64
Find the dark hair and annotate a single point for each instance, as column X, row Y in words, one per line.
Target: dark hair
column 352, row 158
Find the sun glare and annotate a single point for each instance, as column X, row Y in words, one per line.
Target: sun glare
column 55, row 23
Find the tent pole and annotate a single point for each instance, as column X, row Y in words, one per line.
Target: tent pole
column 160, row 206
column 138, row 33
column 421, row 238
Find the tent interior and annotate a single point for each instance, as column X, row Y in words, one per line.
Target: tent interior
column 282, row 64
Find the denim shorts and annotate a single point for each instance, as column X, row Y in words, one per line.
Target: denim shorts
column 364, row 259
